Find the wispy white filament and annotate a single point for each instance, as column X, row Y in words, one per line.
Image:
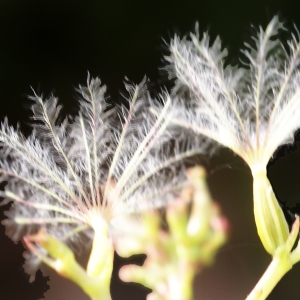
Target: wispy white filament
column 251, row 110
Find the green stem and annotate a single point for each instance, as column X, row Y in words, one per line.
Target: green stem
column 95, row 281
column 275, row 271
column 181, row 281
column 187, row 282
column 100, row 265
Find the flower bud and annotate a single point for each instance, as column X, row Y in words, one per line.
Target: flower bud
column 201, row 213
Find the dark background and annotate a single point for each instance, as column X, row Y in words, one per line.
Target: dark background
column 50, row 45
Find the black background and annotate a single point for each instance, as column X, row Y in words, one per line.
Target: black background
column 50, row 45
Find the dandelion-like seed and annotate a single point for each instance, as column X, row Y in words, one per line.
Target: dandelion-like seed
column 71, row 178
column 251, row 110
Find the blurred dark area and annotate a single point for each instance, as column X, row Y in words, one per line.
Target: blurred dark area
column 50, row 46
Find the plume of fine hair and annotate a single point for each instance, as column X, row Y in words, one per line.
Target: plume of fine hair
column 102, row 164
column 251, row 109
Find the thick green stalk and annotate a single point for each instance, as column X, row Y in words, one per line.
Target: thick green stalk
column 283, row 260
column 100, row 266
column 276, row 270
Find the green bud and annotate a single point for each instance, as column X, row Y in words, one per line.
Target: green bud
column 199, row 222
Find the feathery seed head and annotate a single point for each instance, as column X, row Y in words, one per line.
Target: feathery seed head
column 251, row 110
column 71, row 177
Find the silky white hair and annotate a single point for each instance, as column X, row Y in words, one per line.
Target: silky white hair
column 107, row 161
column 252, row 109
